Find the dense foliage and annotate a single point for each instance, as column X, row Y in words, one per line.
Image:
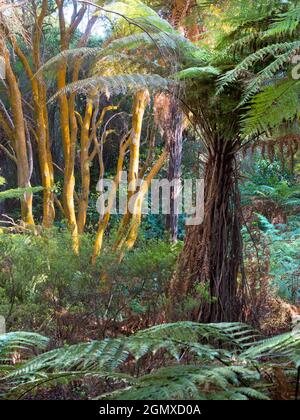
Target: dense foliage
column 130, row 304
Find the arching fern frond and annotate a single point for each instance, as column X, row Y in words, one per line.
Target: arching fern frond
column 191, row 383
column 276, row 68
column 197, row 73
column 286, row 23
column 212, row 373
column 282, row 346
column 18, row 192
column 272, row 106
column 169, row 44
column 21, row 342
column 115, row 85
column 284, row 51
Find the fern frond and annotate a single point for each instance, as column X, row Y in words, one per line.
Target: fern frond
column 286, row 50
column 189, row 383
column 68, row 56
column 18, row 192
column 285, row 345
column 115, row 85
column 197, row 73
column 272, row 106
column 213, row 374
column 286, row 23
column 20, row 341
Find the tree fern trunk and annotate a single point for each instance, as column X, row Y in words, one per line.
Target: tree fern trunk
column 209, row 264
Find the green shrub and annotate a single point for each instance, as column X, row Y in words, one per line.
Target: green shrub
column 45, row 287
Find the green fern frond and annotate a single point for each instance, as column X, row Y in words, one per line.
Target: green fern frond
column 286, row 50
column 197, row 73
column 213, row 374
column 18, row 192
column 13, row 342
column 272, row 106
column 68, row 56
column 189, row 383
column 286, row 23
column 115, row 85
column 285, row 345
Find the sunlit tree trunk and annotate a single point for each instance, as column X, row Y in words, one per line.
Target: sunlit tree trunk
column 104, row 221
column 85, row 166
column 41, row 112
column 140, row 103
column 89, row 130
column 137, row 208
column 20, row 143
column 41, row 115
column 68, row 121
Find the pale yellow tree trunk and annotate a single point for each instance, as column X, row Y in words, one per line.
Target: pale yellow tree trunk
column 20, row 144
column 140, row 103
column 103, row 223
column 85, row 166
column 135, row 222
column 41, row 116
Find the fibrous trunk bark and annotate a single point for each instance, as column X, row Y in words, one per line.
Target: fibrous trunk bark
column 209, row 263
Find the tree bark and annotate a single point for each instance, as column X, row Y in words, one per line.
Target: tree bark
column 173, row 138
column 141, row 100
column 20, row 143
column 209, row 263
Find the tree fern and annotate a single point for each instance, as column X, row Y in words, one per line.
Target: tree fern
column 273, row 99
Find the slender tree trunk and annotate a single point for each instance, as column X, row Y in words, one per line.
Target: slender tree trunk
column 173, row 137
column 104, row 221
column 69, row 145
column 85, row 166
column 41, row 113
column 140, row 103
column 20, row 143
column 68, row 122
column 209, row 263
column 137, row 214
column 39, row 97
